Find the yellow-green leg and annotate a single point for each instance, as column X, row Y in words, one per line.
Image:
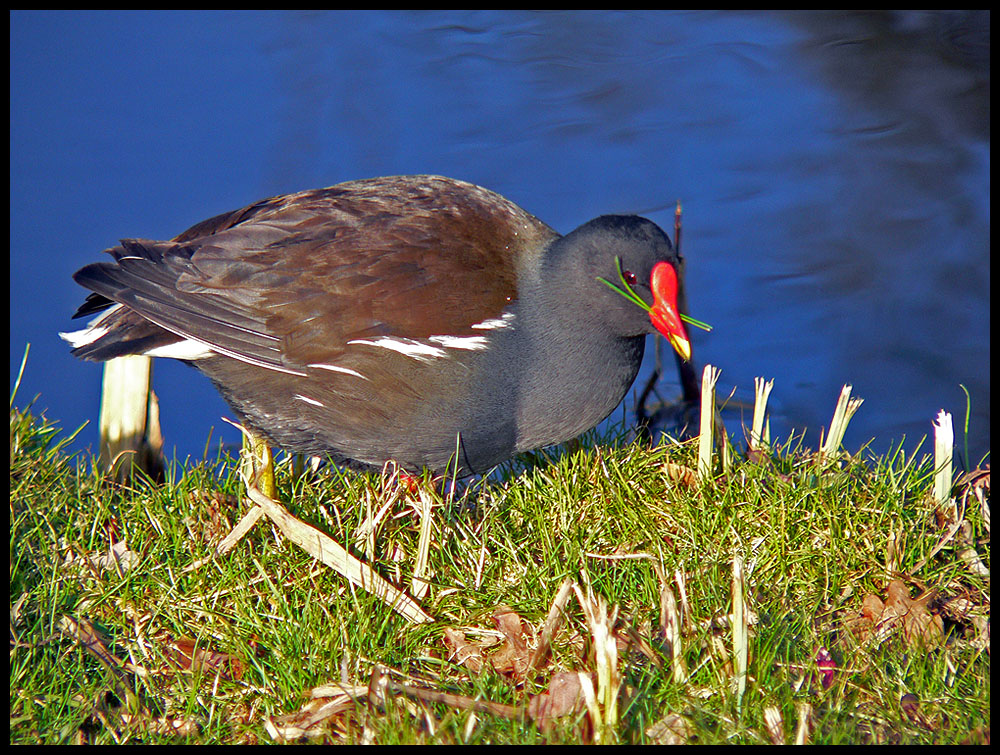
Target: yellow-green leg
column 257, row 454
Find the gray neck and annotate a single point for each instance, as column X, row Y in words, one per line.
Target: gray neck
column 579, row 374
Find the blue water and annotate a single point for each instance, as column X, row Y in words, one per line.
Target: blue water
column 833, row 169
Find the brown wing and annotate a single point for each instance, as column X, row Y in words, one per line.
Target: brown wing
column 287, row 282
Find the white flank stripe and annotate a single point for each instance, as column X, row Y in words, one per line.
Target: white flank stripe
column 187, row 350
column 504, row 321
column 406, row 346
column 308, row 400
column 471, row 343
column 436, row 348
column 335, row 368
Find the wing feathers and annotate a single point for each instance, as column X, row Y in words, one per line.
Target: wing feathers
column 290, row 281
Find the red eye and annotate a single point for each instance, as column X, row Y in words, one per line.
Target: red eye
column 629, row 277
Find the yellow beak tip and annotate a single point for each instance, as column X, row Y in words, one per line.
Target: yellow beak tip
column 682, row 346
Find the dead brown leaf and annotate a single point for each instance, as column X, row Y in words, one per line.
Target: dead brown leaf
column 187, row 655
column 872, row 607
column 678, row 473
column 512, row 658
column 910, row 704
column 564, row 697
column 920, row 627
column 899, row 614
column 672, row 729
column 978, row 736
column 119, row 559
column 463, row 651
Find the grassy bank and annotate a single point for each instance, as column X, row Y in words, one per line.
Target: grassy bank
column 597, row 596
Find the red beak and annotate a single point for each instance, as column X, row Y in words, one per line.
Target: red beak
column 665, row 315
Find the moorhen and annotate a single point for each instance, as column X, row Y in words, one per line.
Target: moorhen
column 414, row 318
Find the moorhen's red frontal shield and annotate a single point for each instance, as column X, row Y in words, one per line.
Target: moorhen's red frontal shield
column 665, row 313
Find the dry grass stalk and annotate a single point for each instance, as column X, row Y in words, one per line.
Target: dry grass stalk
column 846, row 407
column 459, row 702
column 130, row 418
column 551, row 625
column 760, row 435
column 229, row 541
column 740, row 649
column 710, row 376
column 670, row 626
column 602, row 703
column 325, row 549
column 944, row 443
column 419, row 585
column 775, row 724
column 91, row 640
column 955, row 518
column 802, row 730
column 681, row 580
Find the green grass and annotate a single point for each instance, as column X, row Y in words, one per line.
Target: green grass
column 277, row 624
